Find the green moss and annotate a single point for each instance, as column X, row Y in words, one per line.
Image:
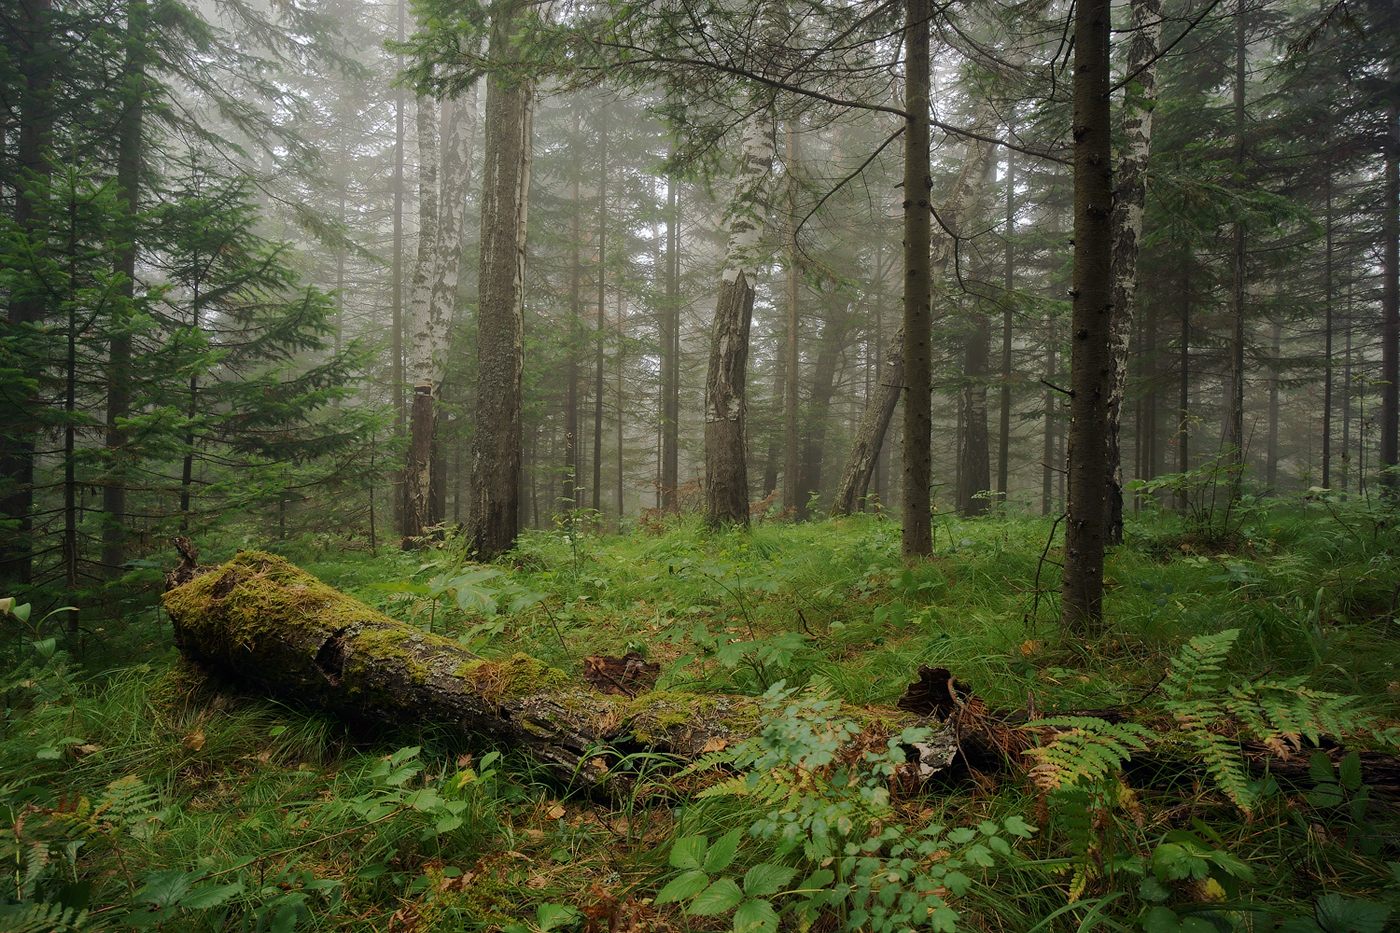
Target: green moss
column 653, row 716
column 512, row 678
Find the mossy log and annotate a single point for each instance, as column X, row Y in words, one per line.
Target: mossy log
column 263, row 622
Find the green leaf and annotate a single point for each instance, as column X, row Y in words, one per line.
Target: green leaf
column 1338, row 914
column 1350, row 771
column 165, row 888
column 724, row 895
column 1320, row 769
column 553, row 916
column 688, row 852
column 211, row 895
column 756, row 916
column 683, row 886
column 722, row 853
column 763, row 880
column 1017, row 826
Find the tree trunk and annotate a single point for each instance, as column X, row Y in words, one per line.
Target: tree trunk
column 129, row 158
column 1234, row 424
column 1128, row 202
column 793, row 498
column 396, row 321
column 974, row 460
column 918, row 414
column 33, row 170
column 879, row 409
column 493, row 519
column 600, row 322
column 1183, row 395
column 261, row 621
column 835, row 325
column 569, row 497
column 1390, row 293
column 1327, row 328
column 1008, row 286
column 1091, row 356
column 1345, row 471
column 671, row 353
column 423, row 341
column 726, row 472
column 1050, row 408
column 1271, row 455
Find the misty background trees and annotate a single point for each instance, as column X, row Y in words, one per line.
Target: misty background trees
column 365, row 269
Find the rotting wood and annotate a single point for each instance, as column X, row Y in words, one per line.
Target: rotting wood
column 261, row 621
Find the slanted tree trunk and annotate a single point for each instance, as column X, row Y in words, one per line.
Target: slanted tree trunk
column 130, row 154
column 1091, row 356
column 918, row 414
column 1128, row 202
column 494, row 515
column 17, row 430
column 726, row 472
column 424, row 341
column 671, row 353
column 261, row 621
column 879, row 409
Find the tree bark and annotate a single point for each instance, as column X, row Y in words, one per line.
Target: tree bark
column 1390, row 292
column 17, row 431
column 792, row 470
column 260, row 621
column 1128, row 202
column 600, row 321
column 494, row 516
column 974, row 459
column 569, row 497
column 396, row 321
column 671, row 353
column 726, row 472
column 1008, row 287
column 918, row 414
column 1271, row 454
column 1234, row 424
column 130, row 154
column 423, row 344
column 1327, row 329
column 832, row 343
column 1091, row 357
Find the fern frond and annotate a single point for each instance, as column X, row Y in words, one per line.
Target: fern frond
column 42, row 918
column 1084, row 750
column 1196, row 669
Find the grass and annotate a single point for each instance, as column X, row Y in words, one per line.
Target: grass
column 153, row 799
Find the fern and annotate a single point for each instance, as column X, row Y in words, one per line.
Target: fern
column 43, row 918
column 1084, row 750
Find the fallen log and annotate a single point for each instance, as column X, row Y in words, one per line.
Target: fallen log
column 263, row 622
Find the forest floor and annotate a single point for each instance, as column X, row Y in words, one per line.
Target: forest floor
column 136, row 791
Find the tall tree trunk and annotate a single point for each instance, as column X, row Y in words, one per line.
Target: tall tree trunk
column 1346, row 404
column 1091, row 355
column 792, row 494
column 396, row 322
column 726, row 472
column 621, row 406
column 917, row 537
column 601, row 320
column 974, row 460
column 424, row 340
column 835, row 324
column 670, row 353
column 492, row 521
column 1183, row 396
column 569, row 497
column 1234, row 424
column 1128, row 202
column 1327, row 328
column 1271, row 455
column 1390, row 292
column 879, row 409
column 1050, row 409
column 129, row 159
column 17, row 430
column 71, row 541
column 1008, row 284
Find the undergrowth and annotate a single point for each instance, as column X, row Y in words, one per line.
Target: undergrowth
column 138, row 795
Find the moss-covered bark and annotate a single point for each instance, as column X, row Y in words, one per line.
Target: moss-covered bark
column 262, row 621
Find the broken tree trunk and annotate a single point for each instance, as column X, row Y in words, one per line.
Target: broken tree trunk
column 263, row 622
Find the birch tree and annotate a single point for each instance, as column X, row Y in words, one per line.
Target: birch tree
column 1129, row 198
column 424, row 337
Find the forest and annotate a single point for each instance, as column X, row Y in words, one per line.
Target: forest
column 700, row 465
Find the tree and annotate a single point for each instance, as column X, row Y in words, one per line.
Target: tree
column 1091, row 361
column 493, row 519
